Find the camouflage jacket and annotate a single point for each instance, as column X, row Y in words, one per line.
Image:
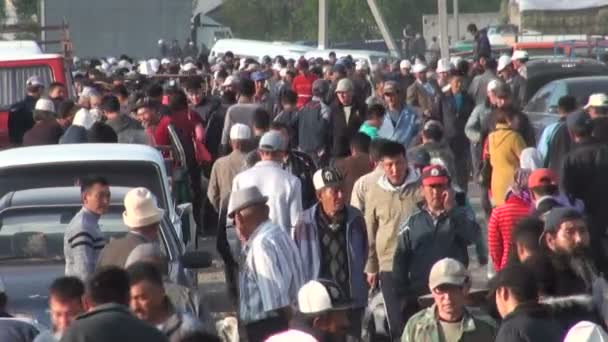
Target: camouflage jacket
column 424, row 327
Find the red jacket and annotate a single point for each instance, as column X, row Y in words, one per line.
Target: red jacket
column 302, row 85
column 503, row 219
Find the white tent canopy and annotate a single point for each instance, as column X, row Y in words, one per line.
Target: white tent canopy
column 559, row 5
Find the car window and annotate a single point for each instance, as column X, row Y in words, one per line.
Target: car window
column 582, row 91
column 558, row 92
column 13, row 79
column 539, row 103
column 37, row 233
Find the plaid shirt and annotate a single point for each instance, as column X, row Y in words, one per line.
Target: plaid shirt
column 270, row 273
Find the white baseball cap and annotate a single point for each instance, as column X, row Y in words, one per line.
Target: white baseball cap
column 597, row 100
column 328, row 176
column 405, row 64
column 320, row 296
column 165, row 61
column 188, row 66
column 448, row 271
column 34, row 81
column 361, row 65
column 45, row 105
column 520, row 54
column 240, row 131
column 503, row 62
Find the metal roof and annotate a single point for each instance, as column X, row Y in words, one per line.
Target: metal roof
column 7, row 57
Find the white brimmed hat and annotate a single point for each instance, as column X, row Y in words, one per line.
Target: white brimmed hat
column 240, row 131
column 245, row 198
column 595, row 100
column 503, row 62
column 320, row 296
column 520, row 54
column 444, row 65
column 141, row 209
column 419, row 67
column 492, row 85
column 586, row 331
column 344, row 86
column 83, row 118
column 405, row 64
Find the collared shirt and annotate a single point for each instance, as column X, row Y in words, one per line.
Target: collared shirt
column 284, row 191
column 270, row 273
column 424, row 326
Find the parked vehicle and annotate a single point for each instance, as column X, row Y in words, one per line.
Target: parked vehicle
column 127, row 165
column 543, row 71
column 542, row 107
column 257, row 49
column 32, row 226
column 16, row 69
column 371, row 57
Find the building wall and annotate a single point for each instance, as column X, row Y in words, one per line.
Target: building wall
column 430, row 24
column 113, row 27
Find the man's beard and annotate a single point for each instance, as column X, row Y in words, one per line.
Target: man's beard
column 579, row 261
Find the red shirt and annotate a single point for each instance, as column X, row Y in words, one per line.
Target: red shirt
column 503, row 219
column 302, row 85
column 184, row 122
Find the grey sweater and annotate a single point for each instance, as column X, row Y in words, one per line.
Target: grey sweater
column 82, row 243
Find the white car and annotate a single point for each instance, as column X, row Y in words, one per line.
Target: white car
column 127, row 165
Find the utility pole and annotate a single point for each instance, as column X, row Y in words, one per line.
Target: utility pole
column 386, row 34
column 442, row 8
column 322, row 25
column 456, row 21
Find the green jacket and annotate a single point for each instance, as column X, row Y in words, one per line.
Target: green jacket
column 424, row 327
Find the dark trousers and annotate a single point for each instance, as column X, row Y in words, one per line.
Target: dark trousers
column 231, row 270
column 392, row 304
column 260, row 331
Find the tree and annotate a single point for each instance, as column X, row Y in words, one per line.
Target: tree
column 349, row 20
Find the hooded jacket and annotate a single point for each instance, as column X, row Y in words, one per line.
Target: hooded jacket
column 504, row 146
column 306, row 238
column 386, row 206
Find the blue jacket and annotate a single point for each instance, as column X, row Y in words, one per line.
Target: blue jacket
column 306, row 238
column 404, row 131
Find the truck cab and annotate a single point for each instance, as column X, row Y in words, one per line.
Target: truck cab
column 16, row 69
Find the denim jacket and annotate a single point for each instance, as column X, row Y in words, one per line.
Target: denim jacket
column 307, row 241
column 404, row 130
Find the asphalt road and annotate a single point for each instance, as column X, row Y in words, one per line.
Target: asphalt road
column 213, row 285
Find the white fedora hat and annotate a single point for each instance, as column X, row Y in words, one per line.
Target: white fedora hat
column 141, row 209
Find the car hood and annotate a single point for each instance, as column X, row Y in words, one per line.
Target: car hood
column 27, row 287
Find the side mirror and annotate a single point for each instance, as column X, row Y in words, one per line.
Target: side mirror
column 184, row 211
column 196, row 259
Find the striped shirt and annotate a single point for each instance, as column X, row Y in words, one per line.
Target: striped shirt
column 270, row 273
column 82, row 243
column 501, row 223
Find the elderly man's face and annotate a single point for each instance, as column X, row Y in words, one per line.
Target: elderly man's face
column 95, row 101
column 571, row 238
column 331, row 199
column 450, row 301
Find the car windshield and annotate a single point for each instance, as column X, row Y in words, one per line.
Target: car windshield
column 118, row 173
column 36, row 234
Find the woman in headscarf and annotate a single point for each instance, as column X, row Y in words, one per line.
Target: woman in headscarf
column 518, row 204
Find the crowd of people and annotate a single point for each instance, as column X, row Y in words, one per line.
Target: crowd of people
column 340, row 178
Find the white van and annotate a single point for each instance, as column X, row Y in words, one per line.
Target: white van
column 19, row 48
column 372, row 57
column 257, row 49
